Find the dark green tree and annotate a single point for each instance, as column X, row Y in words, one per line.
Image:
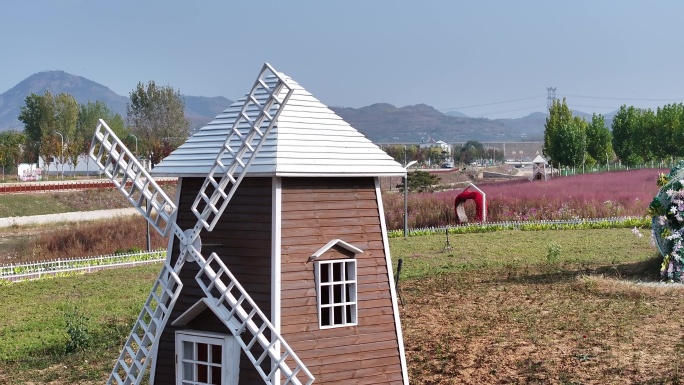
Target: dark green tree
column 571, row 142
column 88, row 119
column 156, row 116
column 470, row 151
column 599, row 140
column 559, row 116
column 625, row 135
column 49, row 125
column 11, row 149
column 38, row 116
column 670, row 123
column 420, row 181
column 647, row 135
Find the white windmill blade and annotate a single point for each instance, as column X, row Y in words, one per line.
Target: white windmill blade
column 139, row 351
column 249, row 324
column 208, row 208
column 130, row 177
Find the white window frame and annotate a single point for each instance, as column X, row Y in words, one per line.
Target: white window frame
column 347, row 301
column 229, row 362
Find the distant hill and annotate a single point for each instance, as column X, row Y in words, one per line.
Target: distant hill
column 385, row 123
column 381, row 122
column 198, row 109
column 81, row 88
column 457, row 114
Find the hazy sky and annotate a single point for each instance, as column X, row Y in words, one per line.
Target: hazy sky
column 447, row 54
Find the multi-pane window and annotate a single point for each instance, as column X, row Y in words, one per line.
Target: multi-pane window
column 336, row 289
column 204, row 359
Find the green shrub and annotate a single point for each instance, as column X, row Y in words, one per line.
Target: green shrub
column 77, row 330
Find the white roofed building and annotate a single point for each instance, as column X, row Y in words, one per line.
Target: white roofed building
column 540, row 169
column 304, row 234
column 309, row 139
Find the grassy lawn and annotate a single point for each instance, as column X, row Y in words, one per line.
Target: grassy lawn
column 556, row 307
column 16, row 205
column 55, row 202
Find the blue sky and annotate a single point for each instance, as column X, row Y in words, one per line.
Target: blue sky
column 447, row 54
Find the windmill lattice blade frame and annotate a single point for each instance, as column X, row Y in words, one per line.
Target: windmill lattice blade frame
column 249, row 325
column 140, row 349
column 206, row 207
column 130, row 177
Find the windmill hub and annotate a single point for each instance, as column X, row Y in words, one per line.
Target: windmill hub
column 191, row 238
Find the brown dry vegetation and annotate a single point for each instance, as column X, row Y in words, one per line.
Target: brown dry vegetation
column 546, row 329
column 508, row 334
column 76, row 239
column 71, row 240
column 502, row 308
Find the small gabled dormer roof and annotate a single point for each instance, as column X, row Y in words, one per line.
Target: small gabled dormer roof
column 309, row 139
column 335, row 242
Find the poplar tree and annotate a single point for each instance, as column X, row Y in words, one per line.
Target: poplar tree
column 599, row 146
column 156, row 116
column 625, row 135
column 559, row 116
column 38, row 115
column 88, row 119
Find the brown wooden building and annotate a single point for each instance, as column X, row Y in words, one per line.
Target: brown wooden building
column 305, row 235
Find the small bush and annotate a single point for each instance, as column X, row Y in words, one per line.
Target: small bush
column 77, row 330
column 553, row 252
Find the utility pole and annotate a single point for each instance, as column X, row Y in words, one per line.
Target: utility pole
column 550, row 97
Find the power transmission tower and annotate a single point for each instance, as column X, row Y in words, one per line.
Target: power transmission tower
column 551, row 96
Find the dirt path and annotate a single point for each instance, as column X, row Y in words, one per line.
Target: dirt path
column 65, row 217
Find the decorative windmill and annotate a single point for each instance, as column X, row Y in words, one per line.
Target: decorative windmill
column 199, row 324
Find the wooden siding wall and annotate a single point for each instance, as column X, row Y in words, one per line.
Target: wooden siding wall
column 314, row 211
column 242, row 238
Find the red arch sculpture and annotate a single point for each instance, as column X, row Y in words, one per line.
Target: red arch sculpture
column 480, row 205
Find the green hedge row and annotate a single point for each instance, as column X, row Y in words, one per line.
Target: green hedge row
column 582, row 224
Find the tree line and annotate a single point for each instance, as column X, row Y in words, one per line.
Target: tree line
column 636, row 136
column 58, row 129
column 471, row 151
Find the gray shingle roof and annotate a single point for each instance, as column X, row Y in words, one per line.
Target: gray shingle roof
column 309, row 139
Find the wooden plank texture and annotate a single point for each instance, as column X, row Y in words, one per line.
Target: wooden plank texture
column 242, row 239
column 315, row 211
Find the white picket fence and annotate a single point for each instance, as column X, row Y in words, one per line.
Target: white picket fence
column 38, row 270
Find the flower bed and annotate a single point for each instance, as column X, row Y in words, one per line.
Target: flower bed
column 597, row 195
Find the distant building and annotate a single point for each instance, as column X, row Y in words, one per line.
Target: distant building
column 443, row 146
column 540, row 169
column 29, row 172
column 84, row 166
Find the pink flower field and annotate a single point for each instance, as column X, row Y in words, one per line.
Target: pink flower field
column 595, row 195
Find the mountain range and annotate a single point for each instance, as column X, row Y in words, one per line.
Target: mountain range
column 381, row 122
column 198, row 109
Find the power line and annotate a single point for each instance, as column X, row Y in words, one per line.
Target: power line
column 491, row 104
column 588, row 106
column 630, row 99
column 503, row 112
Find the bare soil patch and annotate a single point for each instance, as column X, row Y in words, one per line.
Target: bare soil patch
column 471, row 329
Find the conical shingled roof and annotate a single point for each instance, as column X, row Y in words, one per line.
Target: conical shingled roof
column 309, row 139
column 539, row 159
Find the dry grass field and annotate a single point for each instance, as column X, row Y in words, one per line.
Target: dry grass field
column 590, row 314
column 507, row 307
